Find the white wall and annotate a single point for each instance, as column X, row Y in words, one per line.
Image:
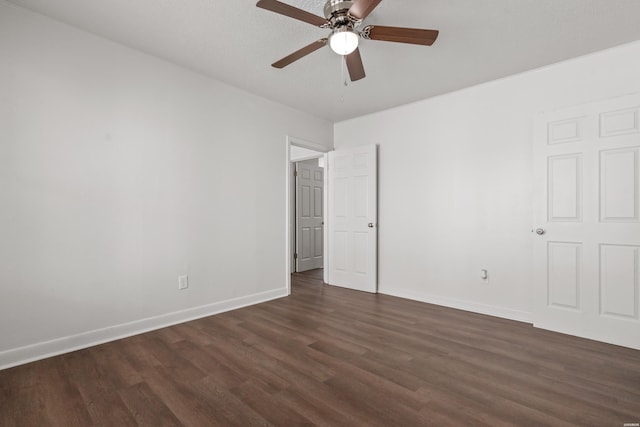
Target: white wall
column 119, row 172
column 455, row 187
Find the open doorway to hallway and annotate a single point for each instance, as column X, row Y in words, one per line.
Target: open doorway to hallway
column 306, row 208
column 349, row 208
column 309, row 217
column 307, row 194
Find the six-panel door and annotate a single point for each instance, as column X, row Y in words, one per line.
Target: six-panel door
column 353, row 218
column 309, row 212
column 587, row 262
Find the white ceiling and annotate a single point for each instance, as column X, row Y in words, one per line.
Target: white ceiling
column 235, row 42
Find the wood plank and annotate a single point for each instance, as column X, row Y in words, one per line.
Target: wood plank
column 98, row 388
column 146, row 407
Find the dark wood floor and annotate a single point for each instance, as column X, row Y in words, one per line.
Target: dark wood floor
column 330, row 356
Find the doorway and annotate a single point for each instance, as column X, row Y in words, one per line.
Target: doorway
column 309, row 216
column 350, row 231
column 307, row 155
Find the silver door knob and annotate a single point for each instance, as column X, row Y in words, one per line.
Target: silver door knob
column 370, row 225
column 540, row 231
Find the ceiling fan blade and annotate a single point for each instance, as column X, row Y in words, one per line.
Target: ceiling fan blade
column 400, row 35
column 355, row 65
column 362, row 8
column 300, row 53
column 291, row 12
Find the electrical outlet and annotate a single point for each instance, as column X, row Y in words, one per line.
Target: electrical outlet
column 183, row 282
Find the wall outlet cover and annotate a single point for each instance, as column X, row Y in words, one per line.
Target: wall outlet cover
column 183, row 282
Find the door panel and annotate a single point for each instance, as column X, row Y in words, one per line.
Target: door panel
column 587, row 193
column 565, row 187
column 563, row 283
column 619, row 280
column 353, row 218
column 619, row 187
column 621, row 122
column 309, row 190
column 318, row 243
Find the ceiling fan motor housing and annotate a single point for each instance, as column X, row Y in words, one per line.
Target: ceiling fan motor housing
column 336, row 11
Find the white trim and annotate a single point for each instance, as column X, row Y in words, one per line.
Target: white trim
column 299, row 142
column 302, row 159
column 42, row 350
column 577, row 332
column 325, row 213
column 287, row 215
column 491, row 310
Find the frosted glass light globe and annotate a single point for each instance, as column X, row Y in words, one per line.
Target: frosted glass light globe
column 343, row 41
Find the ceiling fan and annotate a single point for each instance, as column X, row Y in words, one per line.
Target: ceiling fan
column 344, row 18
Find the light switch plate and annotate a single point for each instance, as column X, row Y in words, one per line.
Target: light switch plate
column 183, row 282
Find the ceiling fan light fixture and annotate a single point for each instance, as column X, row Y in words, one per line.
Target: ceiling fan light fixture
column 343, row 41
column 343, row 17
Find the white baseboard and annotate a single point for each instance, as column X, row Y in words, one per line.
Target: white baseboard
column 505, row 313
column 42, row 350
column 610, row 338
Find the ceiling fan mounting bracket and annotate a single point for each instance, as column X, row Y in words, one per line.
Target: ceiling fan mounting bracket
column 337, row 13
column 336, row 7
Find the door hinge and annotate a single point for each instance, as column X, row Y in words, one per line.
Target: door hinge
column 295, row 173
column 295, row 256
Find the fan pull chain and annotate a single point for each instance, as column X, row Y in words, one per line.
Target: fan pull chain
column 344, row 74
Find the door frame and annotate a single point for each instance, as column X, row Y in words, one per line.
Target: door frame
column 299, row 142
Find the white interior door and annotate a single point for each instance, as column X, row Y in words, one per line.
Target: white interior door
column 309, row 216
column 587, row 261
column 353, row 228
